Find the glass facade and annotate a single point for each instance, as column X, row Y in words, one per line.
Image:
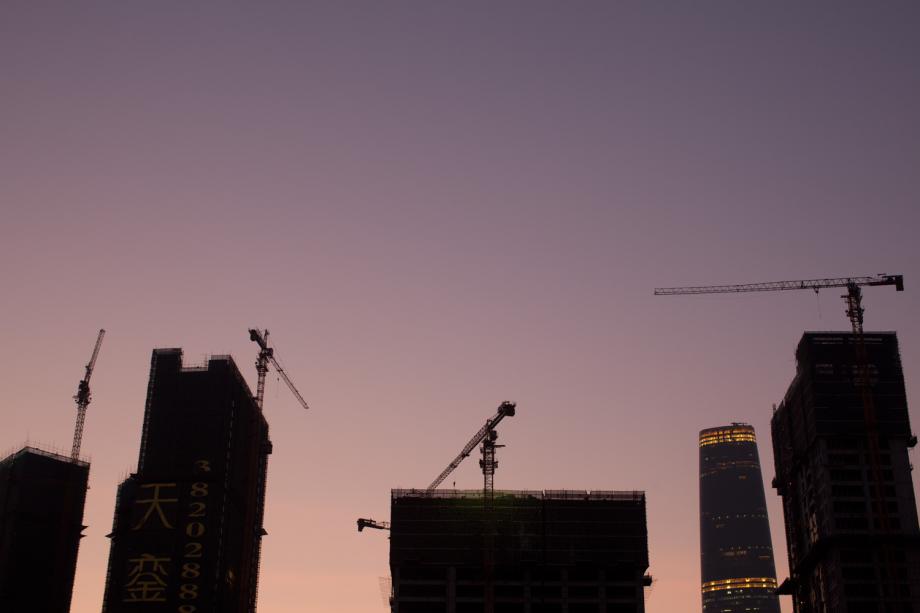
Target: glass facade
column 736, row 552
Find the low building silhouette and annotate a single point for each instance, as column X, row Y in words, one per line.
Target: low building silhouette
column 188, row 524
column 851, row 521
column 532, row 552
column 42, row 495
column 738, row 573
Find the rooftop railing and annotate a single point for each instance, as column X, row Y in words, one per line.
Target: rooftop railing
column 621, row 495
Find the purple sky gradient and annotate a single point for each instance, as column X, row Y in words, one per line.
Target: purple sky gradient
column 436, row 208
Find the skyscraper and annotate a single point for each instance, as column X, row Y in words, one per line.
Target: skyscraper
column 845, row 477
column 532, row 552
column 188, row 524
column 738, row 573
column 41, row 524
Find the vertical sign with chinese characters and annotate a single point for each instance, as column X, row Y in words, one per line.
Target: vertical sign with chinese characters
column 149, row 572
column 171, row 520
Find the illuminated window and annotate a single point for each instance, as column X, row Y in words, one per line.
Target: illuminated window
column 739, row 434
column 740, row 583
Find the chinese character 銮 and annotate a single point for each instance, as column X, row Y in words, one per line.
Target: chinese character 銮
column 146, row 579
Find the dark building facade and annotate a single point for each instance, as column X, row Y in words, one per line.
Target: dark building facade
column 738, row 573
column 534, row 552
column 188, row 524
column 851, row 521
column 41, row 523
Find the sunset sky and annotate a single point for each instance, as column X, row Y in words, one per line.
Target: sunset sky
column 435, row 207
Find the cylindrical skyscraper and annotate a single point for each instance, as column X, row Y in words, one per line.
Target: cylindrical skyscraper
column 736, row 551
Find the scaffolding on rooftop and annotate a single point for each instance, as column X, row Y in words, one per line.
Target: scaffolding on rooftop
column 477, row 494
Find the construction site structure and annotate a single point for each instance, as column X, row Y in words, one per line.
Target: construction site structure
column 552, row 550
column 42, row 495
column 189, row 521
column 83, row 398
column 852, row 534
column 860, row 364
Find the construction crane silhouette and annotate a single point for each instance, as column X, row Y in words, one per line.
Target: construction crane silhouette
column 266, row 357
column 861, row 380
column 487, row 436
column 853, row 297
column 83, row 398
column 371, row 523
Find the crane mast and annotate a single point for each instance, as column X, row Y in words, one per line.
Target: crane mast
column 488, row 464
column 83, row 398
column 266, row 357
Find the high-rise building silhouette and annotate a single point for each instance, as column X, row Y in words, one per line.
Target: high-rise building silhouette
column 41, row 523
column 851, row 517
column 188, row 524
column 532, row 552
column 738, row 574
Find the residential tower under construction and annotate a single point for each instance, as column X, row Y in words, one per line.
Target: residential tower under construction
column 188, row 524
column 457, row 551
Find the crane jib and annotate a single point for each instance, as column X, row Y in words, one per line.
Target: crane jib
column 772, row 286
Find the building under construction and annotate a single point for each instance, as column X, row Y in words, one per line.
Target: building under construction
column 840, row 442
column 530, row 552
column 41, row 523
column 188, row 524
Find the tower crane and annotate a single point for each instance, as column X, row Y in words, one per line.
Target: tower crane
column 853, row 297
column 854, row 312
column 487, row 436
column 266, row 357
column 83, row 398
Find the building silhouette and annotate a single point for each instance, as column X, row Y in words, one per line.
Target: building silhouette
column 41, row 523
column 533, row 552
column 851, row 522
column 738, row 573
column 188, row 524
